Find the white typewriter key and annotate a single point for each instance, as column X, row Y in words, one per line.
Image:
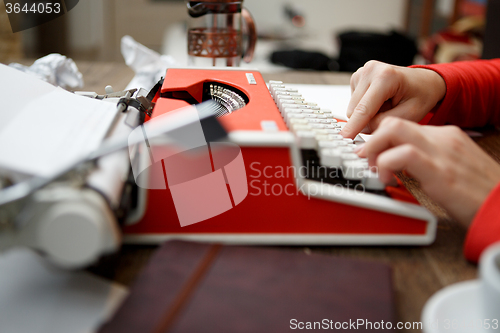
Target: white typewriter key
column 296, row 115
column 371, row 181
column 283, row 90
column 352, row 145
column 279, row 102
column 353, row 169
column 326, row 122
column 339, row 143
column 300, row 127
column 293, row 116
column 275, row 81
column 346, row 149
column 304, row 111
column 290, row 116
column 338, row 150
column 326, row 144
column 328, row 126
column 312, row 107
column 273, row 87
column 290, row 90
column 316, row 125
column 332, row 130
column 285, row 106
column 350, row 157
column 288, row 105
column 299, row 121
column 285, row 102
column 316, row 120
column 282, row 101
column 290, row 112
column 330, row 158
column 325, row 117
column 275, row 90
column 306, row 139
column 319, row 131
column 290, row 100
column 323, row 121
column 280, row 94
column 335, row 137
column 364, row 160
column 349, row 141
column 321, row 137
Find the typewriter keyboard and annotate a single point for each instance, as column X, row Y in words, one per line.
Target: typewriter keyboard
column 326, row 155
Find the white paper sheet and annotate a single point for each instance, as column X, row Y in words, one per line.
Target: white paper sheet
column 37, row 298
column 17, row 89
column 50, row 128
column 332, row 97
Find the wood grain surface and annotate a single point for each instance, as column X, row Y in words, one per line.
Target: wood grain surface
column 418, row 272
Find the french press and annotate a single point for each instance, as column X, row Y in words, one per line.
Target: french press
column 216, row 33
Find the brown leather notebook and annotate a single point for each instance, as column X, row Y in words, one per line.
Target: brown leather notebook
column 195, row 287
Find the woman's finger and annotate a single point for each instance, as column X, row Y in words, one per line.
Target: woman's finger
column 367, row 106
column 394, row 132
column 407, row 110
column 405, row 157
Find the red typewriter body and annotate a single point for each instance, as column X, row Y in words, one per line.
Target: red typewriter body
column 276, row 213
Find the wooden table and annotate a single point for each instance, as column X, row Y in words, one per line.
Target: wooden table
column 418, row 272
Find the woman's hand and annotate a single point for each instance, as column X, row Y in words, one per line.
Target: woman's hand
column 380, row 90
column 450, row 167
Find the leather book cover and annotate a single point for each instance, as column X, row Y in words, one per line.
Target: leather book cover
column 195, row 287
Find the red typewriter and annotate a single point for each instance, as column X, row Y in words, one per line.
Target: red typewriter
column 290, row 177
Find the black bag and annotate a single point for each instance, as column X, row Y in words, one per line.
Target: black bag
column 299, row 59
column 356, row 48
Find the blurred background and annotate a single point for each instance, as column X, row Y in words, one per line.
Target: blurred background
column 442, row 30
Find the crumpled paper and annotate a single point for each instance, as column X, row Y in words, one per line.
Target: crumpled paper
column 55, row 69
column 149, row 66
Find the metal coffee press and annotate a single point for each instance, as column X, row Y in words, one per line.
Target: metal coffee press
column 217, row 31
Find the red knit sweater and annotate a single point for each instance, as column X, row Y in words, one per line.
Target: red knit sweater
column 472, row 100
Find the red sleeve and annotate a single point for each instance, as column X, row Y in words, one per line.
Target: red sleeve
column 473, row 100
column 472, row 93
column 485, row 228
